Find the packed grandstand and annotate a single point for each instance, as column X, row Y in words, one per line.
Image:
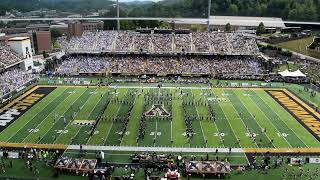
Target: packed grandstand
column 130, row 41
column 215, row 54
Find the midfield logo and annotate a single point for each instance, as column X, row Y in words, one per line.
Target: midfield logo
column 157, row 109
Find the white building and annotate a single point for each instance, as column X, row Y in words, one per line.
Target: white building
column 22, row 46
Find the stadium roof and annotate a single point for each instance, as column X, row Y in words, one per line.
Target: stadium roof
column 296, row 73
column 237, row 21
column 18, row 38
column 247, row 21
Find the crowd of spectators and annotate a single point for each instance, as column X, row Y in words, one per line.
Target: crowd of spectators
column 91, row 41
column 135, row 65
column 142, row 42
column 182, row 42
column 13, row 79
column 128, row 41
column 124, row 41
column 162, row 42
column 7, row 57
column 82, row 64
column 200, row 41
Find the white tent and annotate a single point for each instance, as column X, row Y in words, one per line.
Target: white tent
column 296, row 73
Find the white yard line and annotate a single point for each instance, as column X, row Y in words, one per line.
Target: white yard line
column 126, row 154
column 204, row 137
column 215, row 125
column 269, row 121
column 155, row 133
column 50, row 114
column 239, row 117
column 135, row 100
column 112, row 121
column 252, row 115
column 154, row 149
column 285, row 122
column 34, row 115
column 70, row 123
column 56, row 121
column 229, row 122
column 171, row 135
column 92, row 111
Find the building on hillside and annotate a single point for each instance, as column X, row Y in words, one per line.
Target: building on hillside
column 61, row 26
column 77, row 28
column 39, row 35
column 42, row 41
column 13, row 30
column 92, row 26
column 38, row 27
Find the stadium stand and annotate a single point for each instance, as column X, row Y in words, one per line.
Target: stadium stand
column 13, row 79
column 8, row 57
column 129, row 41
column 228, row 66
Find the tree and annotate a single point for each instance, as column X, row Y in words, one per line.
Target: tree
column 228, row 27
column 293, row 14
column 261, row 29
column 45, row 54
column 55, row 33
column 233, row 9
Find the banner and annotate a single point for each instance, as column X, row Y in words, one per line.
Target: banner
column 314, row 160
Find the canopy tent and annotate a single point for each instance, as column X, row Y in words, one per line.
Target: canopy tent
column 296, row 73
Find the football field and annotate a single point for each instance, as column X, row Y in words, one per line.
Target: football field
column 158, row 117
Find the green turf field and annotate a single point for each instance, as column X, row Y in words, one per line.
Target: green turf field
column 240, row 116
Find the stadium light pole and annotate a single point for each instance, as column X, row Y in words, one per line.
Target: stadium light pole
column 118, row 15
column 209, row 13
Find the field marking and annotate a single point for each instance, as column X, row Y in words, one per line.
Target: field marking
column 32, row 116
column 285, row 122
column 54, row 121
column 19, row 98
column 166, row 87
column 30, row 145
column 269, row 119
column 171, row 131
column 91, row 113
column 204, row 137
column 229, row 124
column 43, row 119
column 282, row 150
column 302, row 103
column 231, row 104
column 104, row 142
column 214, row 124
column 154, row 149
column 129, row 116
column 252, row 116
column 135, row 99
column 156, row 133
column 109, row 104
column 70, row 122
column 106, row 137
column 126, row 154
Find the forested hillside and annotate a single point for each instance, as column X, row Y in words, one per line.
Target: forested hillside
column 288, row 9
